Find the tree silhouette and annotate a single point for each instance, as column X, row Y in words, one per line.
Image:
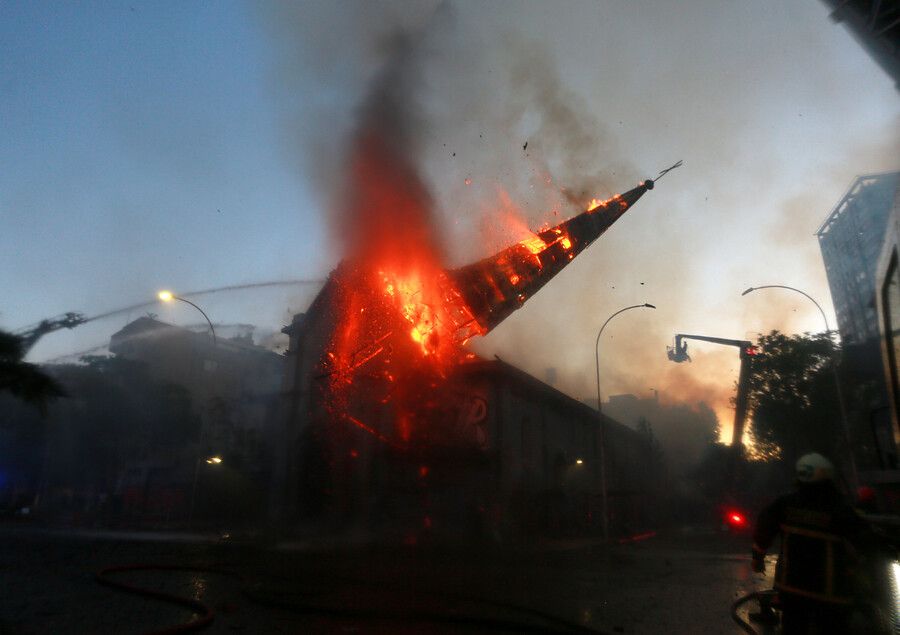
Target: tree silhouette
column 792, row 397
column 25, row 381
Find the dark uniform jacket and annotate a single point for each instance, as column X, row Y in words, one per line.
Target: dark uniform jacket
column 819, row 534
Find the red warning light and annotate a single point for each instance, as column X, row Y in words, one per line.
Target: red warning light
column 736, row 519
column 751, row 350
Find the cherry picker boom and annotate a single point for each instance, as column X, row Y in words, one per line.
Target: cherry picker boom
column 28, row 337
column 678, row 353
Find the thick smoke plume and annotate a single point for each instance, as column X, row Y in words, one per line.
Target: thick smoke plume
column 518, row 113
column 567, row 140
column 386, row 211
column 567, row 157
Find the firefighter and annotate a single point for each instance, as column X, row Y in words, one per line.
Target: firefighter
column 820, row 536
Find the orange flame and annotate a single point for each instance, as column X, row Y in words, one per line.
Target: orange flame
column 535, row 244
column 402, row 322
column 596, row 203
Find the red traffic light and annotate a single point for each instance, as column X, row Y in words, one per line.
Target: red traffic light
column 751, row 350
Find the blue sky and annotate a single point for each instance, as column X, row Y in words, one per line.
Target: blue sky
column 140, row 150
column 195, row 145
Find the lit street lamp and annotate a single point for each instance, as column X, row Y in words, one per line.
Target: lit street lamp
column 211, row 460
column 603, row 489
column 834, row 368
column 168, row 296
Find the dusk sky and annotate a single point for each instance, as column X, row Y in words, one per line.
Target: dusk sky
column 197, row 145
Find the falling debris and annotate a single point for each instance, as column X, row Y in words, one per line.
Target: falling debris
column 525, row 147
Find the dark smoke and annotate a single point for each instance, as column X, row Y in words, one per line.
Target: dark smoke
column 606, row 95
column 423, row 120
column 337, row 49
column 386, row 204
column 569, row 143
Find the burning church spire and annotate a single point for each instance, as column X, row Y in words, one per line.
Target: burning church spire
column 400, row 320
column 391, row 324
column 405, row 284
column 379, row 388
column 496, row 286
column 381, row 384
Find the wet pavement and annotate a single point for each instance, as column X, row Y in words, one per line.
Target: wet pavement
column 678, row 583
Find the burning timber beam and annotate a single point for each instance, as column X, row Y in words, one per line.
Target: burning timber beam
column 498, row 285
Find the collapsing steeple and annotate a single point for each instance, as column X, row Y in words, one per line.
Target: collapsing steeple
column 496, row 286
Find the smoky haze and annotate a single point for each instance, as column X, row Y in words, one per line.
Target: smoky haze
column 525, row 111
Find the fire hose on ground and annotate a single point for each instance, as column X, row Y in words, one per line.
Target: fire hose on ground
column 754, row 595
column 206, row 615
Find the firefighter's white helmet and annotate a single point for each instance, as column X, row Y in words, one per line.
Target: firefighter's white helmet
column 813, row 468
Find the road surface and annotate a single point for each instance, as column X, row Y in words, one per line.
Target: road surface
column 680, row 583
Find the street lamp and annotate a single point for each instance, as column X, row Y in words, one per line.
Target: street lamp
column 803, row 293
column 603, row 489
column 168, row 296
column 834, row 368
column 210, row 460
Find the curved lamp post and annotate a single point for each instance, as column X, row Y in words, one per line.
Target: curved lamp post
column 603, row 489
column 834, row 369
column 168, row 296
column 803, row 293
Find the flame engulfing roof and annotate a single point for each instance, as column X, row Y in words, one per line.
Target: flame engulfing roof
column 496, row 286
column 394, row 321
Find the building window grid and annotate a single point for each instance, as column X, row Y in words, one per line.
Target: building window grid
column 850, row 243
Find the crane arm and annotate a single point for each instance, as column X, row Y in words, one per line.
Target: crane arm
column 29, row 338
column 678, row 353
column 713, row 340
